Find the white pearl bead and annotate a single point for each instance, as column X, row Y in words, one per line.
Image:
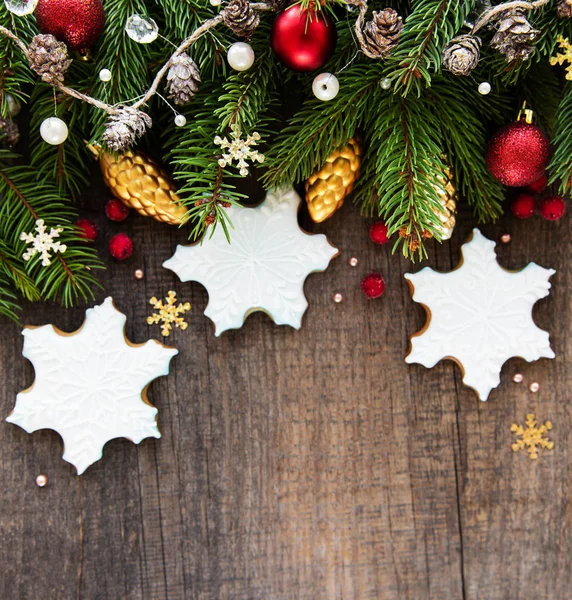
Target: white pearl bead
column 216, row 2
column 484, row 88
column 240, row 56
column 385, row 83
column 54, row 131
column 14, row 107
column 325, row 86
column 180, row 120
column 105, row 75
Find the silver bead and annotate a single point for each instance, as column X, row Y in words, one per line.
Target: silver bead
column 505, row 238
column 518, row 378
column 42, row 480
column 353, row 261
column 139, row 274
column 105, row 75
column 180, row 120
column 325, row 86
column 338, row 298
column 142, row 29
column 385, row 83
column 534, row 387
column 485, row 88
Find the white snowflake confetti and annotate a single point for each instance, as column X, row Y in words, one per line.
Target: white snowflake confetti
column 263, row 268
column 239, row 150
column 90, row 385
column 480, row 315
column 43, row 243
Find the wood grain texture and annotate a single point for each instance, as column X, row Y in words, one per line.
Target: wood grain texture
column 311, row 464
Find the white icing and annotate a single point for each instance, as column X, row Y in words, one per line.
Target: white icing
column 89, row 385
column 481, row 315
column 263, row 268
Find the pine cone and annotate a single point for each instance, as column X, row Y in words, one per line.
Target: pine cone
column 9, row 132
column 462, row 54
column 183, row 79
column 514, row 36
column 48, row 58
column 381, row 34
column 240, row 18
column 564, row 9
column 125, row 127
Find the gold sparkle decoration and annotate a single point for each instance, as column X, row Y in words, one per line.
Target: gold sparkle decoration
column 564, row 57
column 168, row 313
column 533, row 437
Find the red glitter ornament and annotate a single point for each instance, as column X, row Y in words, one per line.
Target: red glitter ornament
column 373, row 285
column 116, row 211
column 378, row 233
column 303, row 40
column 538, row 186
column 87, row 229
column 552, row 208
column 78, row 23
column 518, row 154
column 120, row 246
column 523, row 206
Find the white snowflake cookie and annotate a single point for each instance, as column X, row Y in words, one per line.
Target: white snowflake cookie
column 262, row 269
column 90, row 385
column 479, row 315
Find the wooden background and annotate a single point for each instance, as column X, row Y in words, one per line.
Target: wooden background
column 311, row 464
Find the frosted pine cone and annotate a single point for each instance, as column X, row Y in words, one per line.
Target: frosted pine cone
column 381, row 34
column 49, row 58
column 240, row 18
column 564, row 9
column 9, row 132
column 183, row 79
column 125, row 127
column 515, row 36
column 462, row 54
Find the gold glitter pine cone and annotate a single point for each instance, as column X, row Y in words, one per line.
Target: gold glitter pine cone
column 141, row 184
column 328, row 187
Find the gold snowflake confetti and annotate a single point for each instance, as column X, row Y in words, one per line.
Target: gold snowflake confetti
column 533, row 437
column 564, row 57
column 239, row 150
column 168, row 314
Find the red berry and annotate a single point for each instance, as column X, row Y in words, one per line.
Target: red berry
column 538, row 186
column 378, row 233
column 523, row 206
column 87, row 229
column 373, row 285
column 120, row 246
column 552, row 208
column 116, row 211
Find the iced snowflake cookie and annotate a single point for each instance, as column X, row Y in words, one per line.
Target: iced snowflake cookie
column 479, row 315
column 90, row 385
column 263, row 268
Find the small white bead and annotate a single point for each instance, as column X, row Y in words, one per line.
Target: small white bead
column 216, row 2
column 385, row 83
column 105, row 75
column 485, row 88
column 54, row 131
column 180, row 121
column 325, row 86
column 240, row 56
column 14, row 107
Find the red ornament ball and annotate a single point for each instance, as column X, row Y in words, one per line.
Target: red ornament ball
column 121, row 246
column 78, row 23
column 523, row 206
column 518, row 154
column 303, row 40
column 373, row 285
column 87, row 229
column 552, row 208
column 538, row 186
column 116, row 211
column 378, row 233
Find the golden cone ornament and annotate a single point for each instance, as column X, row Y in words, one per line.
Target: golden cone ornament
column 141, row 184
column 327, row 188
column 448, row 209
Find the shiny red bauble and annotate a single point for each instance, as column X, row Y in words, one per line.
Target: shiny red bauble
column 518, row 154
column 522, row 207
column 552, row 208
column 373, row 285
column 303, row 40
column 78, row 23
column 121, row 246
column 378, row 233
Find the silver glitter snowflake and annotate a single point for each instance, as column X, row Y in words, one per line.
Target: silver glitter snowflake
column 43, row 243
column 239, row 150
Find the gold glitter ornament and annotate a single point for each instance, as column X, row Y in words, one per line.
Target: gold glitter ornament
column 141, row 184
column 329, row 186
column 448, row 199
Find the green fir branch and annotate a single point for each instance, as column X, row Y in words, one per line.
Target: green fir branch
column 560, row 167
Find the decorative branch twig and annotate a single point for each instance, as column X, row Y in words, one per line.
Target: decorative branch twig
column 492, row 12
